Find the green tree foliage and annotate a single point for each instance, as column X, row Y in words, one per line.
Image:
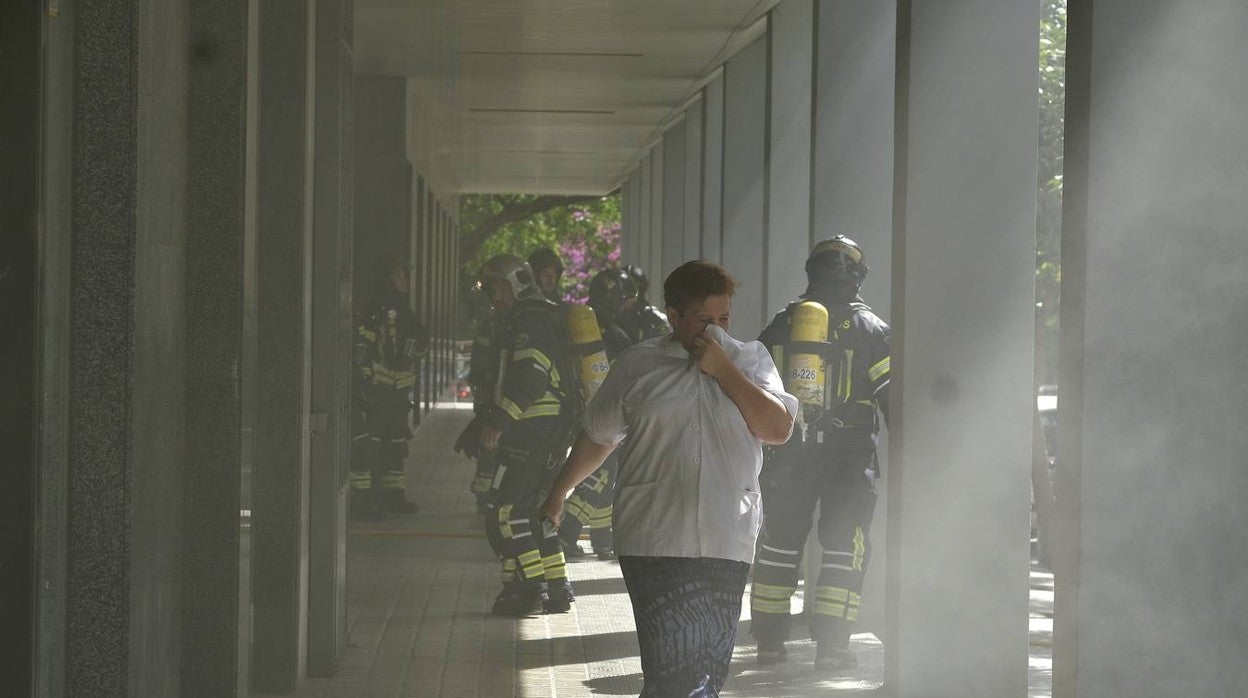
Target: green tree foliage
column 583, row 230
column 1049, row 196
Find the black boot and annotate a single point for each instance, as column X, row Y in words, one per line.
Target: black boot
column 572, row 550
column 365, row 505
column 520, row 599
column 559, row 597
column 771, row 653
column 834, row 659
column 602, row 541
column 396, row 502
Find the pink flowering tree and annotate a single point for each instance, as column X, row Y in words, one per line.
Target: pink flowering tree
column 584, row 232
column 586, row 254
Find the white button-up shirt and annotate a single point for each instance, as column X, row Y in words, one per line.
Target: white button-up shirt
column 688, row 480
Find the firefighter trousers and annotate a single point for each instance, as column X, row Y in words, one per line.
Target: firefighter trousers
column 843, row 485
column 380, row 447
column 525, row 471
column 590, row 506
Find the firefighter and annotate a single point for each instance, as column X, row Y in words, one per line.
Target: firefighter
column 389, row 343
column 547, row 271
column 840, row 368
column 638, row 319
column 528, row 432
column 590, row 504
column 482, row 378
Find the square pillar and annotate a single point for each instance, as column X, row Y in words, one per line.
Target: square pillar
column 745, row 184
column 332, row 334
column 713, row 169
column 653, row 261
column 963, row 345
column 285, row 135
column 1152, row 568
column 789, row 156
column 217, row 245
column 852, row 173
column 692, row 247
column 673, row 234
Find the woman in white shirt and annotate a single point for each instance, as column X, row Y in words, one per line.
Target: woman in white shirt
column 696, row 407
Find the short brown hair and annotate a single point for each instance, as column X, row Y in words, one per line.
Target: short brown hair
column 694, row 282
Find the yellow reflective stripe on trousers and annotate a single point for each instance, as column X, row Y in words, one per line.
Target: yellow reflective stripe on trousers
column 761, row 605
column 830, row 601
column 554, row 566
column 393, row 480
column 773, row 591
column 361, row 481
column 530, row 564
column 771, row 598
column 504, row 516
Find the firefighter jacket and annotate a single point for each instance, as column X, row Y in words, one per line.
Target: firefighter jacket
column 389, row 341
column 633, row 324
column 536, row 377
column 857, row 357
column 483, row 365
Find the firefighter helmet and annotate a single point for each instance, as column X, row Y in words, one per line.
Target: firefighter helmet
column 837, row 259
column 638, row 276
column 609, row 290
column 544, row 257
column 513, row 271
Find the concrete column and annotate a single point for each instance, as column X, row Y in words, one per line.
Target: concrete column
column 963, row 307
column 653, row 263
column 383, row 193
column 216, row 249
column 332, row 331
column 54, row 254
column 713, row 168
column 116, row 156
column 852, row 170
column 853, row 142
column 692, row 248
column 283, row 257
column 789, row 188
column 628, row 220
column 673, row 247
column 19, row 315
column 745, row 184
column 644, row 215
column 1154, row 316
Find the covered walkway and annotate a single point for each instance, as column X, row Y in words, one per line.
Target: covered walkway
column 420, row 589
column 195, row 199
column 421, row 586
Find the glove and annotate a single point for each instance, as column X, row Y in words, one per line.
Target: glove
column 469, row 441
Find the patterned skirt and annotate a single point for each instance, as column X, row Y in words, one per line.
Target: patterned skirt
column 686, row 610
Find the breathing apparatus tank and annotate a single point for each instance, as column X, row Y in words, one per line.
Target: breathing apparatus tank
column 590, row 351
column 805, row 370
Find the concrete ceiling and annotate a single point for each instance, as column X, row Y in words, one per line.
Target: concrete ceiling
column 546, row 96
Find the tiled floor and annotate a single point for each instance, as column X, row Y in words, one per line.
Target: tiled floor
column 420, row 587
